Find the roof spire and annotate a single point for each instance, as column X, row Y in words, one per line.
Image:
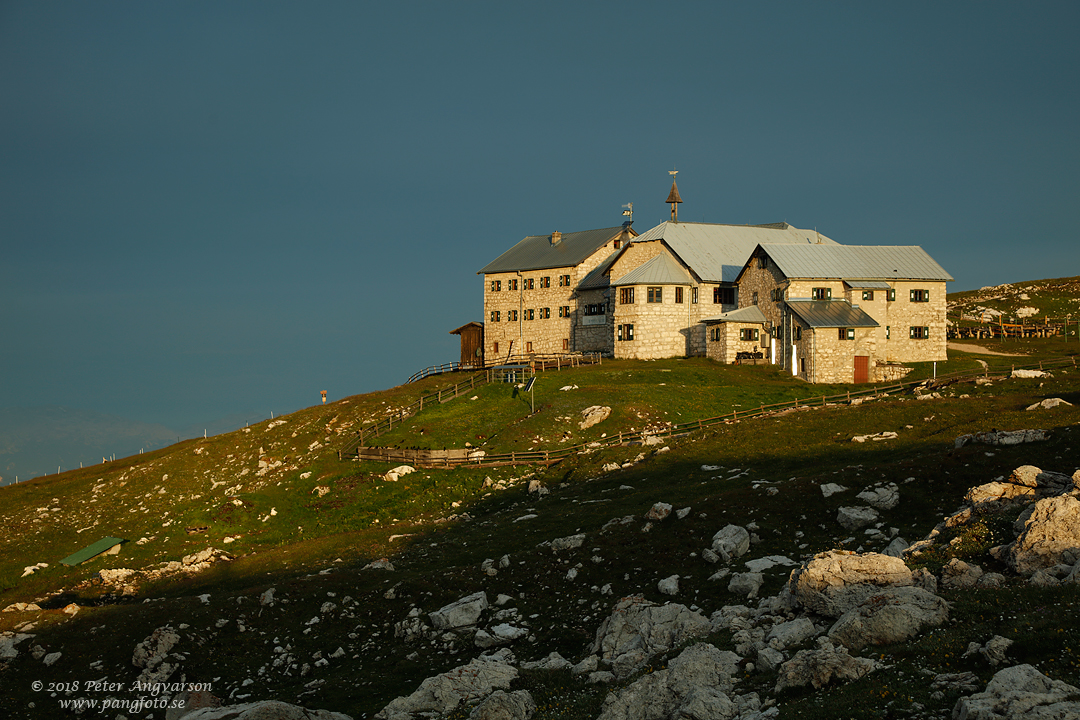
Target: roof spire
column 673, row 196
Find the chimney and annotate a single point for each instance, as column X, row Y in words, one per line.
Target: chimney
column 556, row 237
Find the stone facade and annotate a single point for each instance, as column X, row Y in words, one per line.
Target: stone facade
column 658, row 329
column 910, row 316
column 725, row 340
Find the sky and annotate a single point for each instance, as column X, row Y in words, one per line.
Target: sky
column 210, row 209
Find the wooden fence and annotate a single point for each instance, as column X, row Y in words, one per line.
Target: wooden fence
column 967, row 327
column 479, row 458
column 539, row 361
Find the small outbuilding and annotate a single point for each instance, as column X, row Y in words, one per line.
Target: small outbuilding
column 736, row 336
column 472, row 344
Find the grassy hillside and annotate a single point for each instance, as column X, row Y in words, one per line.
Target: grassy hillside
column 295, row 518
column 1054, row 298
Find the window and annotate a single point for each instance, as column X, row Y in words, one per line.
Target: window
column 527, row 284
column 626, row 296
column 511, row 284
column 776, row 294
column 919, row 333
column 528, row 347
column 564, row 281
column 496, row 285
column 723, row 296
column 618, row 244
column 594, row 309
column 920, row 296
column 566, row 344
column 754, row 299
column 678, row 294
column 847, row 333
column 749, row 334
column 511, row 315
column 821, row 294
column 763, row 261
column 888, row 331
column 545, row 282
column 626, row 332
column 655, row 295
column 892, row 294
column 495, row 348
column 495, row 316
column 564, row 311
column 867, row 294
column 798, row 333
column 545, row 313
column 529, row 314
column 693, row 296
column 714, row 332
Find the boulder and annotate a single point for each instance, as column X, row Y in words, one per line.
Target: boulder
column 8, row 641
column 592, row 415
column 959, row 574
column 639, row 629
column 460, row 613
column 395, row 474
column 694, row 685
column 152, row 651
column 836, row 581
column 993, row 651
column 820, row 666
column 567, row 543
column 745, row 584
column 882, row 498
column 889, row 616
column 853, row 518
column 1051, row 536
column 896, row 548
column 262, row 710
column 1029, row 374
column 731, row 542
column 830, row 489
column 501, row 705
column 1049, row 403
column 443, row 693
column 554, row 661
column 792, row 632
column 992, row 495
column 1020, row 693
column 658, row 511
column 669, row 585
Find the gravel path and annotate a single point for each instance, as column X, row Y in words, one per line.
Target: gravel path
column 980, row 350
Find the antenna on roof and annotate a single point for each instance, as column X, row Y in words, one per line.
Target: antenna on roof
column 629, row 212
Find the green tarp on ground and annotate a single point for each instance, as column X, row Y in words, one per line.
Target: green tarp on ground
column 92, row 551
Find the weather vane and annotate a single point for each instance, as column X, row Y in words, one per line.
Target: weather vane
column 629, row 211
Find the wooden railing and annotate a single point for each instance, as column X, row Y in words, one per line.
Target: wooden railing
column 480, row 458
column 540, row 361
column 969, row 327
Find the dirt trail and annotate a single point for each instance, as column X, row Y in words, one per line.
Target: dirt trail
column 980, row 350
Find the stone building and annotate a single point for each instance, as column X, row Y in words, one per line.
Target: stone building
column 531, row 302
column 847, row 313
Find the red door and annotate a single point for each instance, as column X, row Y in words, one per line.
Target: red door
column 862, row 369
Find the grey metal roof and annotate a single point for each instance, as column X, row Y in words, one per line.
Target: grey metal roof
column 750, row 314
column 597, row 278
column 537, row 253
column 660, row 270
column 830, row 313
column 717, row 253
column 863, row 262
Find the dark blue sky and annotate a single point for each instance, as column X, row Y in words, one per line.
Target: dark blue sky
column 213, row 208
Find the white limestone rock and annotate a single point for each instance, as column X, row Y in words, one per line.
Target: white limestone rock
column 669, row 585
column 395, row 474
column 1020, row 693
column 830, row 489
column 1051, row 536
column 745, row 584
column 658, row 511
column 443, row 693
column 460, row 613
column 567, row 543
column 637, row 626
column 993, row 651
column 889, row 616
column 792, row 632
column 501, row 705
column 853, row 518
column 592, row 415
column 836, row 581
column 1002, row 437
column 882, row 498
column 959, row 574
column 1049, row 403
column 554, row 661
column 731, row 542
column 829, row 661
column 262, row 710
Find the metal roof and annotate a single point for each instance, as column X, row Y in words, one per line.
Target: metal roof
column 830, row 313
column 750, row 314
column 864, row 262
column 537, row 253
column 102, row 545
column 717, row 253
column 598, row 277
column 660, row 270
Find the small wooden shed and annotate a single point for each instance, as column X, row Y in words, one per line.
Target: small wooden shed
column 472, row 344
column 104, row 546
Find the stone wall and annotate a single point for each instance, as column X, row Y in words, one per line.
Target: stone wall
column 832, row 359
column 729, row 345
column 661, row 329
